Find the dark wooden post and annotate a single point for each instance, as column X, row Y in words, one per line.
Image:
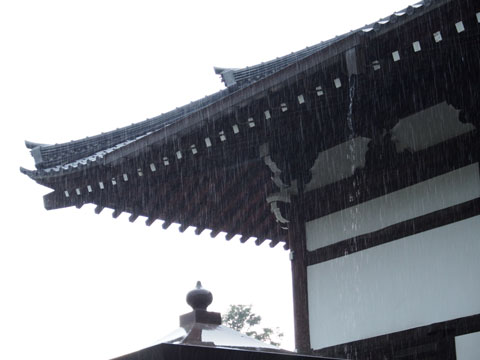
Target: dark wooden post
column 297, row 241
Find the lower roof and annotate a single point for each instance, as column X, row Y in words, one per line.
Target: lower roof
column 190, row 352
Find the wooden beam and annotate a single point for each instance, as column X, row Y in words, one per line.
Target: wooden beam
column 214, row 233
column 269, row 228
column 177, row 196
column 273, row 243
column 230, row 236
column 433, row 341
column 57, row 200
column 244, row 238
column 297, row 241
column 199, row 230
column 227, row 202
column 183, row 227
column 166, row 224
column 192, row 201
column 150, row 221
column 355, row 61
column 260, row 241
column 394, row 232
column 116, row 213
column 261, row 226
column 264, row 230
column 157, row 192
column 235, row 218
column 411, row 169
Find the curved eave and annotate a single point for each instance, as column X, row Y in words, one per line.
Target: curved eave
column 40, row 175
column 236, row 99
column 194, row 119
column 187, row 202
column 32, row 174
column 249, row 82
column 50, row 156
column 250, row 74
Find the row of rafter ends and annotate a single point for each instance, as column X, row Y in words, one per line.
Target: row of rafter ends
column 198, row 230
column 255, row 72
column 396, row 56
column 141, row 128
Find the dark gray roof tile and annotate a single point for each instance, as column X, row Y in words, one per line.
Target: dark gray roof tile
column 62, row 154
column 245, row 76
column 65, row 156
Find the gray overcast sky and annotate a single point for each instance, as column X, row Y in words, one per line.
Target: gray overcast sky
column 78, row 285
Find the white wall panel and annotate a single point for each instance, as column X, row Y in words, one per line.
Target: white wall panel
column 468, row 346
column 428, row 127
column 429, row 277
column 425, row 197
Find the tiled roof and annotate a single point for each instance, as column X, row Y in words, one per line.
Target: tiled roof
column 243, row 77
column 72, row 153
column 63, row 157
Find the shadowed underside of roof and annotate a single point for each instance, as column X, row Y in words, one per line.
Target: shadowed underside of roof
column 235, row 161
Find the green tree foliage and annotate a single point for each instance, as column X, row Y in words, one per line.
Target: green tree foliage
column 242, row 319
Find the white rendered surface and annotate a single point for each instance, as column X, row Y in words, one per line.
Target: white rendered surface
column 338, row 162
column 418, row 280
column 467, row 346
column 428, row 127
column 425, row 197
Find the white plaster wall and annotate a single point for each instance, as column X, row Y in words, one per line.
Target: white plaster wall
column 421, row 279
column 425, row 197
column 428, row 127
column 338, row 162
column 468, row 346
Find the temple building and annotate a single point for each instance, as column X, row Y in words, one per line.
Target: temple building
column 359, row 155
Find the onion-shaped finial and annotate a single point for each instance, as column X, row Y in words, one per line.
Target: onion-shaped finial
column 199, row 298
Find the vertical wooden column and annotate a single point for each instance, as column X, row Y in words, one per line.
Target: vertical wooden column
column 297, row 241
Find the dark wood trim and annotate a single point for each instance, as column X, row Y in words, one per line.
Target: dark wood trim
column 195, row 351
column 405, row 170
column 298, row 246
column 223, row 107
column 394, row 232
column 433, row 341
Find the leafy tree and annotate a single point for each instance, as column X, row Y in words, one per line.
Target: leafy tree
column 242, row 319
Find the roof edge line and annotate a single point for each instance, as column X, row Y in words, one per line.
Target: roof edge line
column 239, row 96
column 32, row 145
